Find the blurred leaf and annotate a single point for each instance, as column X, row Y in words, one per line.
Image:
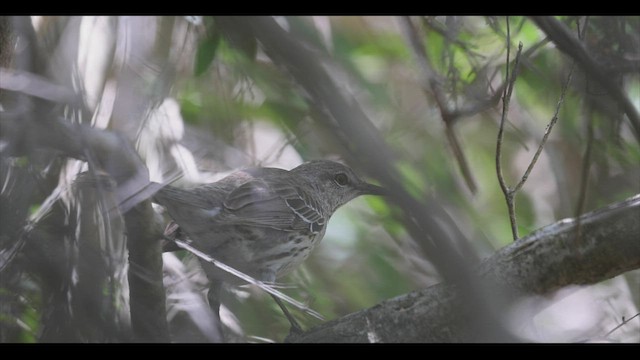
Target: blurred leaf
column 413, row 181
column 206, row 53
column 434, row 46
column 30, row 319
column 529, row 34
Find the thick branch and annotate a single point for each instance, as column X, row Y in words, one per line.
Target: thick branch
column 147, row 294
column 115, row 155
column 540, row 263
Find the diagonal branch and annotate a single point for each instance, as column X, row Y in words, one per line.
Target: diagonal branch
column 562, row 37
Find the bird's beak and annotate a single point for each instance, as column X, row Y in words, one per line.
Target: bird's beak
column 370, row 189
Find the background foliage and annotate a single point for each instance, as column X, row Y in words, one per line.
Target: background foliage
column 198, row 102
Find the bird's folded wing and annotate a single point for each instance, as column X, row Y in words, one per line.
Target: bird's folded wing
column 172, row 197
column 277, row 205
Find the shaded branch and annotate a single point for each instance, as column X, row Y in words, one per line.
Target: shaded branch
column 114, row 154
column 562, row 37
column 538, row 264
column 584, row 173
column 146, row 289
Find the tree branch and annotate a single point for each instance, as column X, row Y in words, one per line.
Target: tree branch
column 116, row 156
column 561, row 36
column 537, row 264
column 509, row 194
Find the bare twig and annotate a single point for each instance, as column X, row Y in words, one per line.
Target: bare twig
column 262, row 285
column 505, row 107
column 547, row 131
column 584, row 176
column 478, row 106
column 509, row 194
column 586, row 160
column 624, row 322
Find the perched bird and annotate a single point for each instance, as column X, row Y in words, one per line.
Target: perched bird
column 262, row 221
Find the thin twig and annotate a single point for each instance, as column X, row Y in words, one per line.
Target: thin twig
column 547, row 131
column 508, row 91
column 624, row 322
column 458, row 153
column 239, row 274
column 584, row 177
column 478, row 106
column 505, row 106
column 509, row 193
column 472, row 108
column 586, row 161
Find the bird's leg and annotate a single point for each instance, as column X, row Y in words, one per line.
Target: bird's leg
column 171, row 233
column 295, row 327
column 269, row 276
column 213, row 295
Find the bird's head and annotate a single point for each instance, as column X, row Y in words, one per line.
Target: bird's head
column 336, row 182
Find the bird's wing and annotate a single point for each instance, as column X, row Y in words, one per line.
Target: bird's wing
column 171, row 197
column 277, row 204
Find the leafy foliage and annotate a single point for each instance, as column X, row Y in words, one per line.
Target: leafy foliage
column 236, row 108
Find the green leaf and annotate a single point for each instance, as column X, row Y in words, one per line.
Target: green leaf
column 206, row 53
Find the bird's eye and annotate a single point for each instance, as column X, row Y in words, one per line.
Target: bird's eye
column 341, row 179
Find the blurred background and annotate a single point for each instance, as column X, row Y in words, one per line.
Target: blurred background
column 198, row 102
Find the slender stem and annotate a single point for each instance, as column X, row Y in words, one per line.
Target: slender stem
column 624, row 322
column 510, row 193
column 584, row 178
column 547, row 131
column 505, row 106
column 508, row 91
column 586, row 160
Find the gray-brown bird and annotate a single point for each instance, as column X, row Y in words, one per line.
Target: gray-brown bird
column 262, row 221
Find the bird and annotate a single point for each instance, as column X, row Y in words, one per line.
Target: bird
column 262, row 221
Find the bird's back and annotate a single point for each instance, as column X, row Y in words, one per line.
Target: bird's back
column 185, row 206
